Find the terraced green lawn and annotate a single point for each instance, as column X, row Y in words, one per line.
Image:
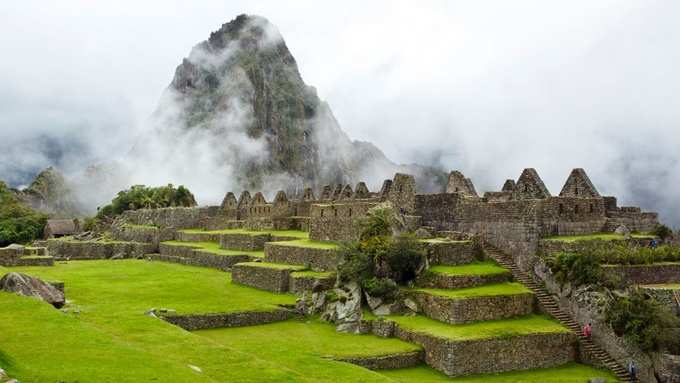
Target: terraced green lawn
column 569, row 373
column 309, row 243
column 278, row 233
column 214, row 248
column 112, row 340
column 531, row 324
column 598, row 236
column 665, row 286
column 477, row 268
column 506, row 288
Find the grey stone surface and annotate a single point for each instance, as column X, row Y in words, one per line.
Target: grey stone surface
column 26, row 285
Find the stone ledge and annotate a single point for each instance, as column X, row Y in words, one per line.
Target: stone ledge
column 487, row 356
column 244, row 241
column 386, row 362
column 314, row 258
column 451, row 252
column 82, row 250
column 300, row 283
column 466, row 310
column 658, row 273
column 192, row 322
column 445, row 281
column 274, row 279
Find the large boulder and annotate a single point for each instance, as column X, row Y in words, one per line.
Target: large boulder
column 23, row 284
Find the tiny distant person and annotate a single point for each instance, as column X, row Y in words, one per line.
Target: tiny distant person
column 632, row 370
column 588, row 330
column 653, row 244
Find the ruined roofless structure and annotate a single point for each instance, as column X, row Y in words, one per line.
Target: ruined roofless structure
column 523, row 210
column 514, row 218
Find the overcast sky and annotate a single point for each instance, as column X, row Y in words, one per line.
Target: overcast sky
column 486, row 87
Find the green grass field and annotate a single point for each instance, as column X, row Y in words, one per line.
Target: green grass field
column 106, row 337
column 477, row 268
column 280, row 233
column 507, row 288
column 531, row 324
column 214, row 248
column 309, row 243
column 598, row 236
column 570, row 373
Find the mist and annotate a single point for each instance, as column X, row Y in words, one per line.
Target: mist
column 487, row 88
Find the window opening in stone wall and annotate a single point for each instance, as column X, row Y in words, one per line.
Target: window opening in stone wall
column 401, row 188
column 576, row 209
column 322, row 212
column 335, row 212
column 526, row 188
column 561, row 209
column 592, row 208
column 349, row 212
column 575, row 190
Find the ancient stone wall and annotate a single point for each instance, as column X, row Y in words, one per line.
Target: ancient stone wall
column 176, row 217
column 402, row 193
column 63, row 249
column 456, row 311
column 300, row 283
column 315, row 258
column 144, row 234
column 244, row 241
column 193, row 322
column 452, row 252
column 385, row 362
column 338, row 221
column 658, row 273
column 259, row 276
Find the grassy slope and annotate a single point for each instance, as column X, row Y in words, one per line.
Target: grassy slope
column 213, row 247
column 598, row 236
column 507, row 288
column 279, row 233
column 477, row 268
column 303, row 343
column 531, row 324
column 111, row 340
column 570, row 373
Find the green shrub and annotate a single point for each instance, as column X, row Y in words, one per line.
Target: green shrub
column 577, row 269
column 662, row 231
column 357, row 265
column 403, row 257
column 384, row 288
column 378, row 222
column 18, row 222
column 143, row 197
column 640, row 318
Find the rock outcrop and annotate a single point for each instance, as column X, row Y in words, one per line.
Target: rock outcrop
column 51, row 193
column 26, row 285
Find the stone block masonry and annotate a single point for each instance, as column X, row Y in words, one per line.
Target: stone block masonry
column 244, row 241
column 443, row 281
column 193, row 322
column 196, row 257
column 466, row 310
column 264, row 276
column 387, row 362
column 452, row 252
column 658, row 273
column 62, row 249
column 314, row 258
column 494, row 355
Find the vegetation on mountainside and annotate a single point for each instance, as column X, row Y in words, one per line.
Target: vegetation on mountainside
column 662, row 231
column 18, row 222
column 643, row 320
column 380, row 261
column 144, row 197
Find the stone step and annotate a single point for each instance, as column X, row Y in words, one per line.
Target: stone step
column 309, row 281
column 509, row 345
column 488, row 302
column 470, row 275
column 206, row 257
column 315, row 255
column 265, row 276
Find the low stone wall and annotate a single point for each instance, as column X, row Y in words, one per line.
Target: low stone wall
column 467, row 310
column 387, row 362
column 193, row 322
column 196, row 257
column 35, row 261
column 244, row 241
column 265, row 278
column 666, row 297
column 142, row 234
column 10, row 255
column 61, row 249
column 658, row 273
column 316, row 259
column 197, row 237
column 487, row 356
column 547, row 247
column 443, row 281
column 299, row 284
column 452, row 253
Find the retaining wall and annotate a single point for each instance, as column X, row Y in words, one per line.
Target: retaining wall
column 386, row 362
column 266, row 278
column 60, row 249
column 456, row 311
column 316, row 259
column 658, row 273
column 192, row 322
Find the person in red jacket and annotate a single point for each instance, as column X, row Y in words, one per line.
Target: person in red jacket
column 587, row 330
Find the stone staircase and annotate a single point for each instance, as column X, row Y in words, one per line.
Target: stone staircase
column 551, row 307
